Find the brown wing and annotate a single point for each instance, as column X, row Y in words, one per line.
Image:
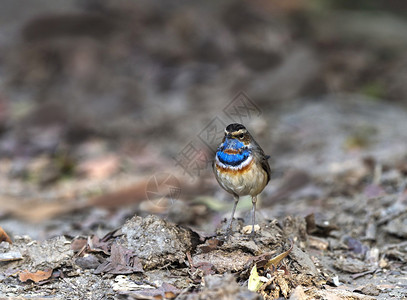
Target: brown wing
column 263, row 159
column 266, row 167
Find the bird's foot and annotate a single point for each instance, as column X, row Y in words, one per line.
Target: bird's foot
column 227, row 235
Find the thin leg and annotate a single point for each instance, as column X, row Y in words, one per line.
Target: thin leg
column 229, row 224
column 254, row 200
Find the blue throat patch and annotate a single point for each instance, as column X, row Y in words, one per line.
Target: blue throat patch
column 232, row 159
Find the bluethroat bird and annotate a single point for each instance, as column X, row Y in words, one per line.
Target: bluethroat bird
column 241, row 167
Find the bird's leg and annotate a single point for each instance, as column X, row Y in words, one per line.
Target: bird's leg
column 254, row 200
column 229, row 224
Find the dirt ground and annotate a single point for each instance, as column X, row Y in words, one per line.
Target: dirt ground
column 110, row 113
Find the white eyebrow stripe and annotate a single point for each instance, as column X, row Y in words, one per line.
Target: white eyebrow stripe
column 240, row 131
column 237, row 132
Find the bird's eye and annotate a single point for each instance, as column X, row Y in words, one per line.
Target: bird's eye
column 240, row 136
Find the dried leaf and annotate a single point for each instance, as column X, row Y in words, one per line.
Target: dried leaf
column 4, row 236
column 275, row 261
column 121, row 261
column 111, row 234
column 210, row 245
column 260, row 260
column 282, row 283
column 78, row 243
column 248, row 229
column 96, row 245
column 254, row 280
column 38, row 276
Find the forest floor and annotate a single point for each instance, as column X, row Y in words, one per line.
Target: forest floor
column 107, row 232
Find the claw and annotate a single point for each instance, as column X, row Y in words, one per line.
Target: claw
column 253, row 233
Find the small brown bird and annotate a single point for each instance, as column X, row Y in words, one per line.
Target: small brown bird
column 241, row 167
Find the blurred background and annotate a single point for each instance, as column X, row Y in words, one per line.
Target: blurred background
column 114, row 108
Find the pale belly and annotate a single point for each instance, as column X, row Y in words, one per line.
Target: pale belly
column 249, row 182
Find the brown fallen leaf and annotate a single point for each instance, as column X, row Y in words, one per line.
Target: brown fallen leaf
column 111, row 235
column 121, row 261
column 260, row 260
column 4, row 236
column 275, row 261
column 38, row 276
column 78, row 243
column 210, row 245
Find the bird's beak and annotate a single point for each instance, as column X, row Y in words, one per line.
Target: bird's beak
column 231, row 143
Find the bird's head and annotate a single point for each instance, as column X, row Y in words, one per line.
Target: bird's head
column 236, row 138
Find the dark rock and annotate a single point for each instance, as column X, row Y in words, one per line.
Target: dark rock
column 157, row 242
column 303, row 262
column 89, row 261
